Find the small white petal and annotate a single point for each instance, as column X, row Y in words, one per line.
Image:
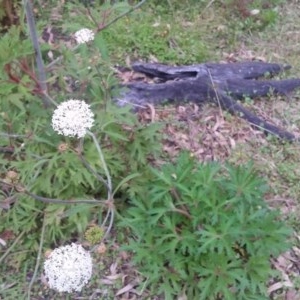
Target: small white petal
column 84, row 35
column 254, row 12
column 68, row 268
column 72, row 118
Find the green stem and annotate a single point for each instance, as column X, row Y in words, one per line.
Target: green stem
column 112, row 214
column 58, row 201
column 38, row 54
column 14, row 136
column 23, row 190
column 122, row 15
column 89, row 167
column 38, row 259
column 106, row 218
column 109, row 184
column 50, row 99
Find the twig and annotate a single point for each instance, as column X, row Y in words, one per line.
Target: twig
column 103, row 18
column 122, row 15
column 23, row 190
column 38, row 54
column 58, row 59
column 59, row 201
column 38, row 259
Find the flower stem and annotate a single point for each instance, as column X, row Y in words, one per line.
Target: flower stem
column 38, row 259
column 110, row 212
column 122, row 15
column 109, row 184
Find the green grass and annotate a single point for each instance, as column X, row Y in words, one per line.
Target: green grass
column 151, row 35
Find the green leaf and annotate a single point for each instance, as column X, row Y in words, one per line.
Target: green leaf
column 100, row 43
column 125, row 180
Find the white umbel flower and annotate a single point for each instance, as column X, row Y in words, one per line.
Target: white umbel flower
column 68, row 268
column 84, row 35
column 72, row 118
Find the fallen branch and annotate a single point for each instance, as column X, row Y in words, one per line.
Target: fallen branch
column 220, row 84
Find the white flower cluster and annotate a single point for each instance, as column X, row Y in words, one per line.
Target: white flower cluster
column 84, row 35
column 68, row 268
column 72, row 118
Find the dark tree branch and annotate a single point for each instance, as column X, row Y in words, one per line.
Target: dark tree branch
column 245, row 70
column 216, row 83
column 38, row 54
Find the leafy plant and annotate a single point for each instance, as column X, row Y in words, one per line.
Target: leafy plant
column 199, row 237
column 205, row 231
column 43, row 174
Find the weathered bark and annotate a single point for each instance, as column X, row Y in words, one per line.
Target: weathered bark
column 217, row 83
column 245, row 70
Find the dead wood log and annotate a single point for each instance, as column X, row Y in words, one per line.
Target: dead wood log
column 221, row 84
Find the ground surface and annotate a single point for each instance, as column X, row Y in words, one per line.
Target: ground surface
column 222, row 34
